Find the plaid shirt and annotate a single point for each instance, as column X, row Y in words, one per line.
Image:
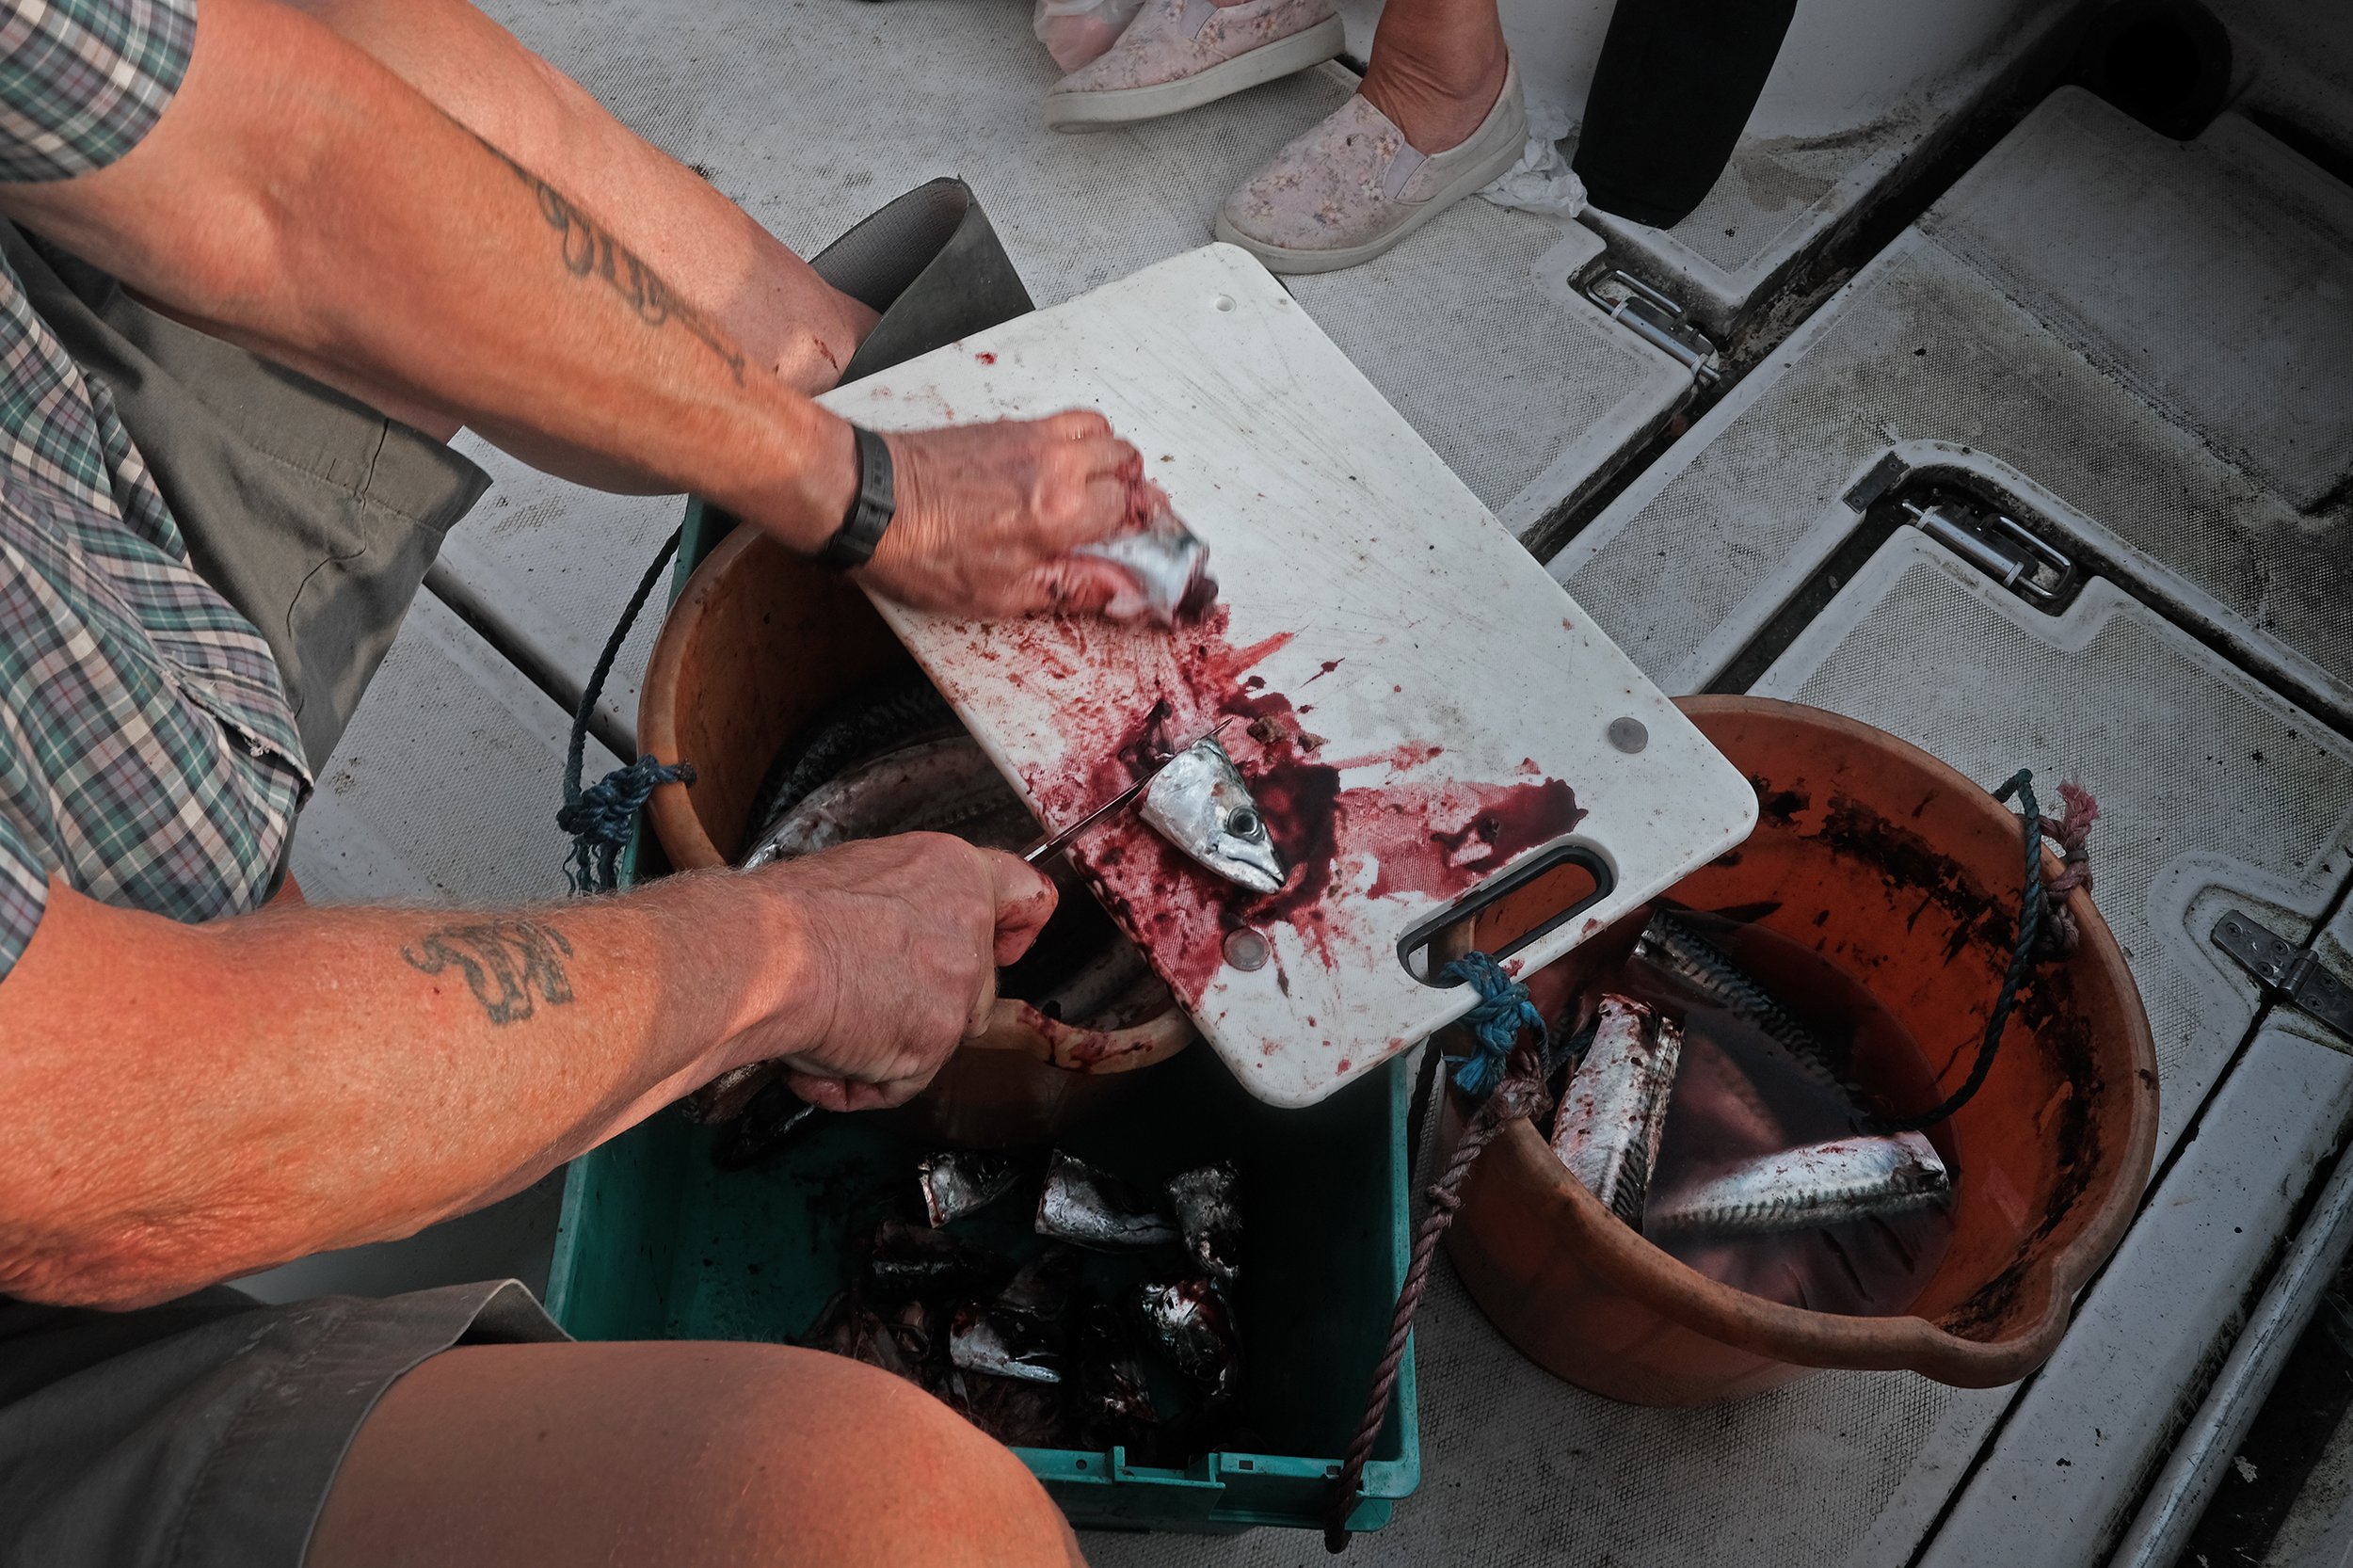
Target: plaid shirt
column 147, row 751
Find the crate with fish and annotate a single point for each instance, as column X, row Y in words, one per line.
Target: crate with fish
column 1779, row 1143
column 1170, row 1312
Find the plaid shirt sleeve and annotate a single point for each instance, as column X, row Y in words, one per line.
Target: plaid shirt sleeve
column 81, row 81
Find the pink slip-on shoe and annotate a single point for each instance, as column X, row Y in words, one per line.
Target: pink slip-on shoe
column 1179, row 55
column 1352, row 187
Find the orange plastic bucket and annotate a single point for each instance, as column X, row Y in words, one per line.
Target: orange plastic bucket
column 1905, row 875
column 757, row 642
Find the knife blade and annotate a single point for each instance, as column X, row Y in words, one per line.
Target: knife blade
column 1039, row 853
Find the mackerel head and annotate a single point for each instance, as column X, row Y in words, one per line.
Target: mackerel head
column 1199, row 803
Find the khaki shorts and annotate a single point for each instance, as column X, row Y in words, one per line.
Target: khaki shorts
column 206, row 1432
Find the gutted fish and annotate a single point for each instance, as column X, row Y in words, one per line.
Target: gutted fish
column 956, row 1183
column 937, row 786
column 908, row 1261
column 1189, row 1320
column 1673, row 945
column 1166, row 564
column 1045, row 1287
column 883, row 715
column 1615, row 1110
column 988, row 1339
column 1018, row 1413
column 1199, row 803
column 1802, row 1189
column 1025, row 1333
column 1209, row 1211
column 1082, row 1205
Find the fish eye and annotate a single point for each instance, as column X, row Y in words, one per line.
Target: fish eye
column 1243, row 822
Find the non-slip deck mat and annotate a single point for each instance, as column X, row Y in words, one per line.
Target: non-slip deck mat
column 1975, row 331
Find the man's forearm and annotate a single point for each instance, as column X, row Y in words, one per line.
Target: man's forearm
column 302, row 194
column 712, row 251
column 181, row 1104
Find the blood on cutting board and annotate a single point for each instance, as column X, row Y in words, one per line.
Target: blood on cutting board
column 1143, row 692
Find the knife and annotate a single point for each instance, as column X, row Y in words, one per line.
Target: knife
column 1038, row 854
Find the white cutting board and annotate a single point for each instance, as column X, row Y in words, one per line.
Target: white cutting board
column 1461, row 698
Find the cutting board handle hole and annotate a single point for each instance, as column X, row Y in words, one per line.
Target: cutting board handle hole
column 1549, row 889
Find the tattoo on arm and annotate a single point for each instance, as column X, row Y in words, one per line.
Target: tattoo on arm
column 503, row 962
column 590, row 251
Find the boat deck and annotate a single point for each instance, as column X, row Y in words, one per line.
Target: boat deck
column 2145, row 347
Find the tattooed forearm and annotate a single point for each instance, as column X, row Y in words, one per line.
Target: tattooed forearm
column 589, row 252
column 503, row 962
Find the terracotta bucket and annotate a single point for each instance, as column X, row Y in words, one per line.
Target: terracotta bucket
column 758, row 643
column 1906, row 876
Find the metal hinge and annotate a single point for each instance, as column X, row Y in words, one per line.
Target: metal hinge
column 2288, row 973
column 1999, row 546
column 1657, row 320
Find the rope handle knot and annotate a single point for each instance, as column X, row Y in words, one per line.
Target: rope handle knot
column 1504, row 1010
column 600, row 817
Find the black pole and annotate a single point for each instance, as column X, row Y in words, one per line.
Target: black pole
column 1674, row 85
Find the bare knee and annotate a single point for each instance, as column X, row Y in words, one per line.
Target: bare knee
column 912, row 1480
column 660, row 1454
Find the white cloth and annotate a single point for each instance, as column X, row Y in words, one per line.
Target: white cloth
column 1542, row 181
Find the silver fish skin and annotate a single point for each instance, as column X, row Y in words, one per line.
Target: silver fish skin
column 942, row 786
column 1670, row 945
column 956, row 1183
column 1083, row 1206
column 1199, row 803
column 1808, row 1187
column 1190, row 1322
column 1614, row 1111
column 1166, row 562
column 1003, row 1344
column 891, row 711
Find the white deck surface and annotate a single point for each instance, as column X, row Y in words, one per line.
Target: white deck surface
column 2220, row 793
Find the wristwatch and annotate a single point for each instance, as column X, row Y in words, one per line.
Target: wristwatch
column 871, row 510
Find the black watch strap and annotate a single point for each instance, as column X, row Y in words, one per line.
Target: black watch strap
column 870, row 511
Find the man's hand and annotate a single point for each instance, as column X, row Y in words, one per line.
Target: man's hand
column 989, row 514
column 906, row 935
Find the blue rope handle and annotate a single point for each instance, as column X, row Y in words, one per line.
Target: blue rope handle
column 1504, row 1010
column 600, row 817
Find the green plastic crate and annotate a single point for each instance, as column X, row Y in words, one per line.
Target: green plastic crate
column 657, row 1242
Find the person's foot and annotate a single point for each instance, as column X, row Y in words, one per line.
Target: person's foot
column 1355, row 186
column 1179, row 55
column 1438, row 91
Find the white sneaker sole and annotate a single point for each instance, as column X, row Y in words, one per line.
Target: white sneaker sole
column 1095, row 111
column 1472, row 178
